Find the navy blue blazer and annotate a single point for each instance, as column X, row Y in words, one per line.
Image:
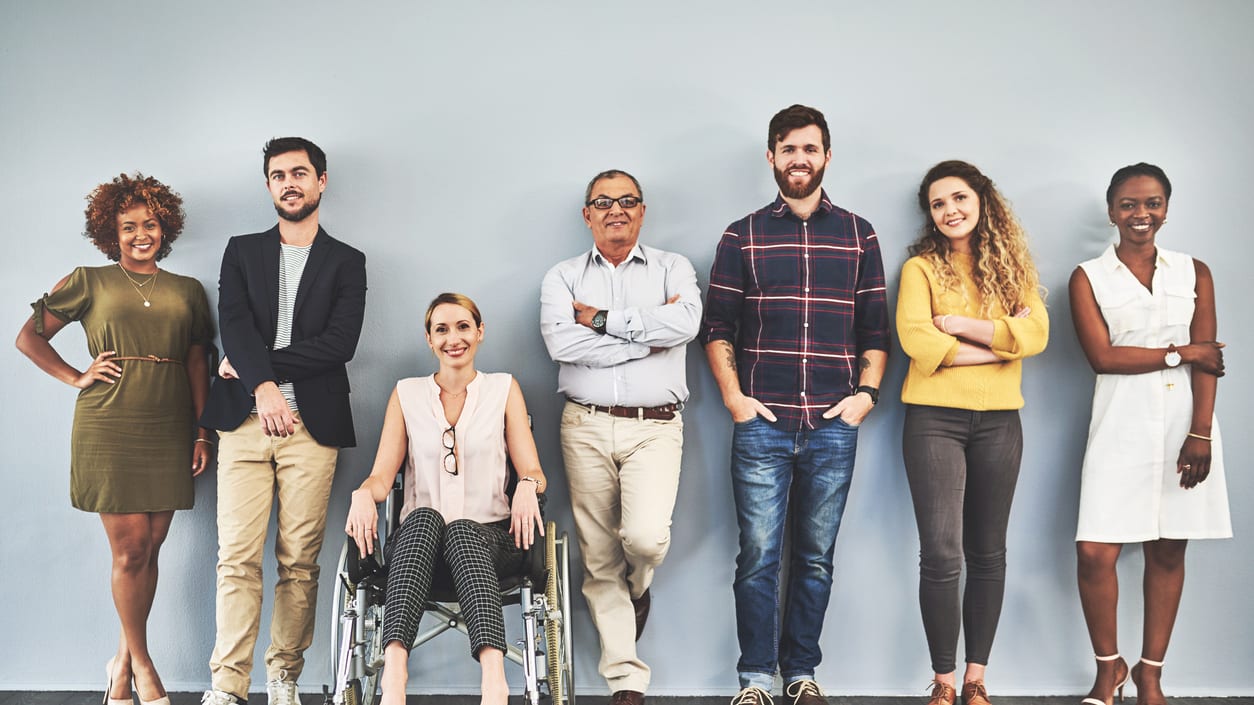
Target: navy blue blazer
column 326, row 324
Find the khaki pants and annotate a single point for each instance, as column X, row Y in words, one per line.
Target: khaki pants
column 623, row 476
column 253, row 471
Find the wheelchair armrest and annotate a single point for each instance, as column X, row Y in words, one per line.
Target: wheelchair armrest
column 361, row 568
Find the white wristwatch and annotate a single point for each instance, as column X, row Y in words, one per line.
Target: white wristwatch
column 1172, row 358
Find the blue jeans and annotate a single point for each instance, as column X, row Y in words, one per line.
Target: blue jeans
column 801, row 478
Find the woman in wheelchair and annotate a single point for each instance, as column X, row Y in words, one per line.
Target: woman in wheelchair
column 452, row 431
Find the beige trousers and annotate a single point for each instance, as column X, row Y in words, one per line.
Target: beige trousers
column 253, row 471
column 623, row 476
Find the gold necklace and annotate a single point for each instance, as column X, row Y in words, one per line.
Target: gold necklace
column 136, row 285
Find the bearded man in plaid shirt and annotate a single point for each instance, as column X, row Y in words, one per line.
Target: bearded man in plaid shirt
column 796, row 334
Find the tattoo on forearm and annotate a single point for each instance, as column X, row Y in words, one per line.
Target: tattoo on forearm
column 863, row 363
column 731, row 357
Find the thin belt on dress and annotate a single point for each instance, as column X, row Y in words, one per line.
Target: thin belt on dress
column 148, row 358
column 666, row 412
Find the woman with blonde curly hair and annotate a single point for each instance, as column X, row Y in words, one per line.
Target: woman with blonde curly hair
column 968, row 311
column 135, row 447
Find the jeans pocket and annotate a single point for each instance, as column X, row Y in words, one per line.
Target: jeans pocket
column 841, row 422
column 746, row 422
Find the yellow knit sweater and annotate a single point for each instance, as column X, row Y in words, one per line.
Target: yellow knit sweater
column 931, row 379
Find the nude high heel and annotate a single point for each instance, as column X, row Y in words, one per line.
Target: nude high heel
column 109, row 687
column 1136, row 672
column 1119, row 682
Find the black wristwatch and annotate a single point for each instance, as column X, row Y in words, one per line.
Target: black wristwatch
column 873, row 392
column 598, row 321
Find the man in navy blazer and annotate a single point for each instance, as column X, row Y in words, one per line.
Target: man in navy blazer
column 290, row 305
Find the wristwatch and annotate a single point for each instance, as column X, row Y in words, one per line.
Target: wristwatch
column 598, row 321
column 1172, row 358
column 873, row 392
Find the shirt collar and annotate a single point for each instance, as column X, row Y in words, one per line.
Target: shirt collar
column 1110, row 259
column 780, row 207
column 637, row 252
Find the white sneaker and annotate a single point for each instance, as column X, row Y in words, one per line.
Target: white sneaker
column 218, row 697
column 281, row 692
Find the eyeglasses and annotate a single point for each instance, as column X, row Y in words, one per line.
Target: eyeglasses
column 450, row 444
column 603, row 203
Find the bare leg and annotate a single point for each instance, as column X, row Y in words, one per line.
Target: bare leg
column 975, row 672
column 395, row 674
column 493, row 687
column 1164, row 582
column 135, row 541
column 1099, row 597
column 121, row 676
column 946, row 678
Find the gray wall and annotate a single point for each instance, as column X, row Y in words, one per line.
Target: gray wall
column 460, row 137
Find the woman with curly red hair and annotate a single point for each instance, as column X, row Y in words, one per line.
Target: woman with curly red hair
column 135, row 447
column 968, row 312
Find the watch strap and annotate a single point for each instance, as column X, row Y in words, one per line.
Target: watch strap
column 873, row 392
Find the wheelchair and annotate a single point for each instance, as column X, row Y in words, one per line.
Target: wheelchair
column 545, row 651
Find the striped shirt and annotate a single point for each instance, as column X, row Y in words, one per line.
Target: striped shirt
column 291, row 266
column 800, row 300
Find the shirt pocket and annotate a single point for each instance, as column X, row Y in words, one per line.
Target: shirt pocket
column 1125, row 311
column 1180, row 304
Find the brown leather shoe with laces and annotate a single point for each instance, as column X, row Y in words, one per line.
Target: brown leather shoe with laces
column 973, row 693
column 627, row 697
column 804, row 692
column 942, row 694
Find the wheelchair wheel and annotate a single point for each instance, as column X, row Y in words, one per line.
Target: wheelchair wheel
column 364, row 664
column 560, row 668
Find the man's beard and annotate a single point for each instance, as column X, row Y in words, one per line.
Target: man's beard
column 305, row 211
column 802, row 191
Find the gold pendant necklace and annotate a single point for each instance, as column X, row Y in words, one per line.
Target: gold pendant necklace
column 136, row 285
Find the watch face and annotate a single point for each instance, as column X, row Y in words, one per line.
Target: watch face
column 598, row 321
column 1172, row 359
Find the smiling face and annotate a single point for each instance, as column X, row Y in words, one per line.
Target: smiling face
column 955, row 210
column 453, row 335
column 139, row 239
column 615, row 228
column 1138, row 208
column 294, row 185
column 799, row 161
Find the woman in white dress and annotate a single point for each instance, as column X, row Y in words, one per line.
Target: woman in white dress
column 1153, row 468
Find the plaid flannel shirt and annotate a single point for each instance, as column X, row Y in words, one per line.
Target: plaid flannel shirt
column 799, row 301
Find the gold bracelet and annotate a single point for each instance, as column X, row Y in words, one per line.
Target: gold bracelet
column 1198, row 436
column 539, row 484
column 203, row 440
column 945, row 324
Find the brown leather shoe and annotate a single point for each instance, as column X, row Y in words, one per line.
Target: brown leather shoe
column 804, row 692
column 642, row 605
column 973, row 693
column 942, row 694
column 627, row 697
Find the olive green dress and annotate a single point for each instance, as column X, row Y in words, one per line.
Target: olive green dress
column 131, row 448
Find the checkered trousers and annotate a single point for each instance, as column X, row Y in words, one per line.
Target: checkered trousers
column 476, row 555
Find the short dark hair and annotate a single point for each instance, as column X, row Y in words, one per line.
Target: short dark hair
column 283, row 145
column 1132, row 170
column 609, row 174
column 112, row 198
column 795, row 117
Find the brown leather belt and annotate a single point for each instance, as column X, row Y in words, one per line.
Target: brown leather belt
column 665, row 412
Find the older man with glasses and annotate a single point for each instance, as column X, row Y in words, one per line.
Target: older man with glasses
column 617, row 320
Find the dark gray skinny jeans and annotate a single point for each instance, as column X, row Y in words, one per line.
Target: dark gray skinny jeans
column 962, row 467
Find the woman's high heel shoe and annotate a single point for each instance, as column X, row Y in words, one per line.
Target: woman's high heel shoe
column 109, row 687
column 1120, row 681
column 1135, row 674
